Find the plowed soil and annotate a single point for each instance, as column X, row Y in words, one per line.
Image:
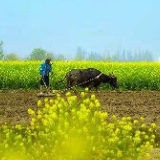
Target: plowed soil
column 14, row 105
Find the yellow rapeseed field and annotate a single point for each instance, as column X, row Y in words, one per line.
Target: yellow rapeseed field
column 131, row 76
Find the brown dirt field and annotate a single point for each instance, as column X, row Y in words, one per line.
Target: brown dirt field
column 14, row 105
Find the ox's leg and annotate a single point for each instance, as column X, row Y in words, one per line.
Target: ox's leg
column 90, row 87
column 96, row 88
column 70, row 86
column 75, row 92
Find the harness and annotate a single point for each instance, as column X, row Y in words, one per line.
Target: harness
column 92, row 79
column 98, row 76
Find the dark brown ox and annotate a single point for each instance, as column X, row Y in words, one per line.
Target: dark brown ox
column 89, row 77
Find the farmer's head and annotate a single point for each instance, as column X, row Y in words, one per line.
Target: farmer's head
column 48, row 60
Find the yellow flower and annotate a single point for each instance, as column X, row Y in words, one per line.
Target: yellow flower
column 86, row 89
column 68, row 94
column 91, row 105
column 66, row 124
column 31, row 112
column 32, row 124
column 39, row 116
column 104, row 115
column 47, row 105
column 114, row 117
column 85, row 130
column 142, row 119
column 46, row 100
column 138, row 133
column 21, row 144
column 73, row 110
column 93, row 97
column 39, row 103
column 18, row 126
column 135, row 122
column 143, row 125
column 146, row 137
column 94, row 149
column 54, row 91
column 147, row 143
column 148, row 155
column 42, row 146
column 124, row 119
column 128, row 118
column 137, row 140
column 128, row 128
column 86, row 101
column 153, row 136
column 119, row 154
column 54, row 116
column 66, row 114
column 153, row 125
column 150, row 130
column 59, row 106
column 45, row 122
column 98, row 105
column 51, row 100
column 6, row 145
column 117, row 131
column 82, row 94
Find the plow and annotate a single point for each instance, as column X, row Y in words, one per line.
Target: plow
column 47, row 94
column 67, row 88
column 91, row 78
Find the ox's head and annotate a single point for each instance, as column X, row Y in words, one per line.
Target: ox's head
column 113, row 81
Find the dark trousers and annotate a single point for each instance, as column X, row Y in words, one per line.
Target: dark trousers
column 44, row 79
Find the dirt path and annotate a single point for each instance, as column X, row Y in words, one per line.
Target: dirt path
column 14, row 105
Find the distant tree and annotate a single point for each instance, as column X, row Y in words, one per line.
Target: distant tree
column 106, row 56
column 136, row 57
column 139, row 55
column 117, row 56
column 123, row 55
column 60, row 57
column 148, row 56
column 80, row 54
column 109, row 57
column 27, row 58
column 11, row 57
column 129, row 56
column 50, row 55
column 93, row 56
column 38, row 54
column 1, row 50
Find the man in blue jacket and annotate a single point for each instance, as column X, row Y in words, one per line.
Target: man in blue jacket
column 44, row 70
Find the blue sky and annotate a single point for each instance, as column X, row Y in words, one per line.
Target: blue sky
column 95, row 25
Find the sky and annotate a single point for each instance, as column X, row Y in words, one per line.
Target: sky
column 60, row 26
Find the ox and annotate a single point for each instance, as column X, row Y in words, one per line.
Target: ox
column 89, row 77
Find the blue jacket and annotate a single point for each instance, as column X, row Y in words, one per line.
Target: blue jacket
column 45, row 69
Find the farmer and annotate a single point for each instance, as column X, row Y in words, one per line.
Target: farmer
column 44, row 70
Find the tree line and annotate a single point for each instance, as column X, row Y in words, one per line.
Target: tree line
column 82, row 55
column 118, row 56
